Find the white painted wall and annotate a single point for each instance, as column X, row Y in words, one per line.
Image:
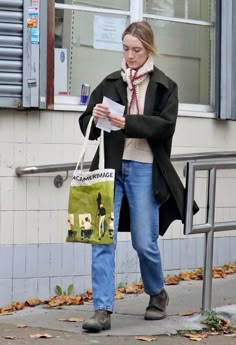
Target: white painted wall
column 34, row 212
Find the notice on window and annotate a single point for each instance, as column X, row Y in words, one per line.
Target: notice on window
column 107, row 33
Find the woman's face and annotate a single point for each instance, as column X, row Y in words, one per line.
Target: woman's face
column 134, row 52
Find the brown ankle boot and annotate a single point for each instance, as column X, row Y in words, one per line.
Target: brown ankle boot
column 100, row 321
column 156, row 309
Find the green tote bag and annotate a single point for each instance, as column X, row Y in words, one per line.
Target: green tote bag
column 91, row 198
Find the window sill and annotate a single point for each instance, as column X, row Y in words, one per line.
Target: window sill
column 71, row 103
column 68, row 103
column 202, row 114
column 67, row 107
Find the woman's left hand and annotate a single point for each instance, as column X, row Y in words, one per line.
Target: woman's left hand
column 116, row 120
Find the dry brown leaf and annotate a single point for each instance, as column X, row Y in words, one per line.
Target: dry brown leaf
column 185, row 276
column 133, row 289
column 172, row 280
column 119, row 295
column 218, row 273
column 195, row 337
column 12, row 337
column 5, row 313
column 72, row 319
column 6, row 308
column 140, row 285
column 65, row 299
column 21, row 326
column 213, row 333
column 187, row 313
column 122, row 290
column 32, row 302
column 37, row 336
column 145, row 338
column 18, row 305
column 89, row 293
column 230, row 335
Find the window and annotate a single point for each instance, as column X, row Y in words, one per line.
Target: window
column 186, row 41
column 88, row 45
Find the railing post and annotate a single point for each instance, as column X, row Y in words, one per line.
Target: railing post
column 207, row 274
column 209, row 242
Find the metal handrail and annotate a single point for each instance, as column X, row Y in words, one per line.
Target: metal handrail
column 37, row 169
column 210, row 226
column 195, row 161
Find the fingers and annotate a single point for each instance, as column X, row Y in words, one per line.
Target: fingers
column 100, row 111
column 118, row 121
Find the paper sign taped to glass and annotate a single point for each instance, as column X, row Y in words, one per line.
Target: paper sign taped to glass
column 91, row 197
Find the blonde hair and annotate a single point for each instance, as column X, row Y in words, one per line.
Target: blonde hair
column 143, row 32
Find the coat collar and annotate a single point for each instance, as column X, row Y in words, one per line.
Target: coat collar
column 156, row 77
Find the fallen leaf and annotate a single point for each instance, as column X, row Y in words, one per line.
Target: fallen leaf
column 172, row 280
column 32, row 302
column 213, row 333
column 21, row 326
column 37, row 336
column 6, row 313
column 12, row 337
column 18, row 305
column 218, row 273
column 65, row 299
column 119, row 295
column 89, row 293
column 185, row 276
column 230, row 335
column 6, row 308
column 187, row 313
column 195, row 337
column 134, row 288
column 145, row 338
column 72, row 319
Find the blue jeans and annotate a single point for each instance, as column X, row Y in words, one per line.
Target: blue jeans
column 135, row 181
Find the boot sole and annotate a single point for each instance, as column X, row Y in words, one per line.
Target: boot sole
column 94, row 329
column 150, row 318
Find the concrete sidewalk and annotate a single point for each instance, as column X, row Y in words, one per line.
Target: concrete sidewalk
column 127, row 321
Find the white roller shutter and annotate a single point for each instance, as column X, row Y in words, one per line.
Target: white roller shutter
column 11, row 52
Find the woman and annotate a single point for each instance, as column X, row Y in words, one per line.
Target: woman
column 145, row 177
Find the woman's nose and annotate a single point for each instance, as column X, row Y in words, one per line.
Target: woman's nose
column 130, row 54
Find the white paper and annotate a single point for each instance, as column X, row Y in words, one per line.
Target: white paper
column 107, row 33
column 114, row 108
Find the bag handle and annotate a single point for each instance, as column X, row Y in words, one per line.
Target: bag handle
column 85, row 144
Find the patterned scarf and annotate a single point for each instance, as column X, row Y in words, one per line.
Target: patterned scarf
column 133, row 78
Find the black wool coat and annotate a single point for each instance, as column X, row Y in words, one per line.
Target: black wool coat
column 157, row 125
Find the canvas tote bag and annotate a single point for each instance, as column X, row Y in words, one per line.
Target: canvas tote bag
column 91, row 197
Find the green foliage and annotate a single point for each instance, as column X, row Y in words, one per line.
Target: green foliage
column 58, row 290
column 68, row 291
column 121, row 285
column 189, row 331
column 212, row 320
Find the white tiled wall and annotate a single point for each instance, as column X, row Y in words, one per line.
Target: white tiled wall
column 34, row 211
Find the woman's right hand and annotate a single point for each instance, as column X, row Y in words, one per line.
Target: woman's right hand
column 100, row 111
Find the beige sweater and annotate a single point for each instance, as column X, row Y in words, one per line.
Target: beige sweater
column 138, row 149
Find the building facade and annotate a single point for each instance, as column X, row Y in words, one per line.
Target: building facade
column 47, row 51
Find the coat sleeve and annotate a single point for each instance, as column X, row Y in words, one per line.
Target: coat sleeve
column 95, row 98
column 157, row 127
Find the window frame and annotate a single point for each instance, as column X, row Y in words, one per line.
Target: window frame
column 226, row 50
column 71, row 103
